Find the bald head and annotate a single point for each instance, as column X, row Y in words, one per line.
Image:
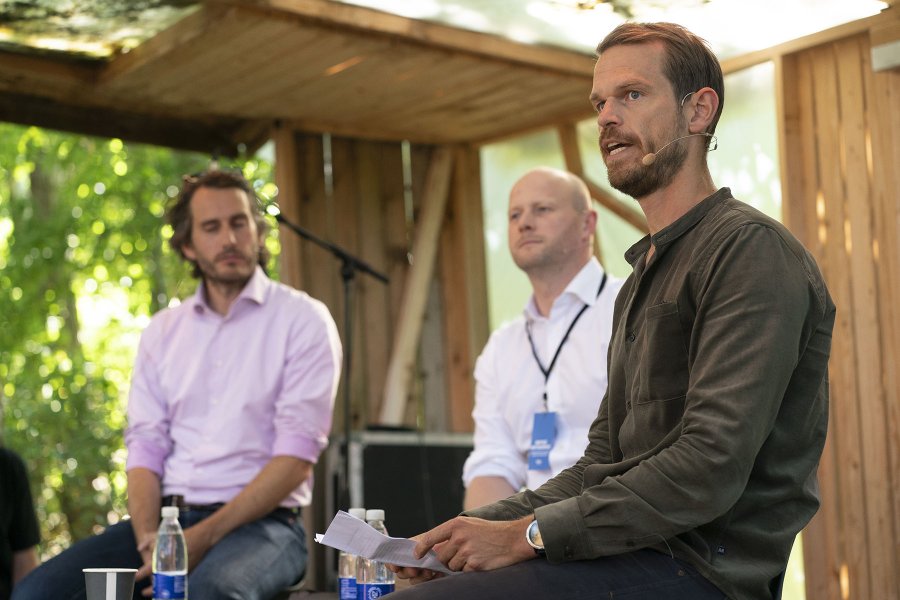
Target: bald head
column 551, row 224
column 556, row 183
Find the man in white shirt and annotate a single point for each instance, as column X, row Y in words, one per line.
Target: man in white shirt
column 540, row 379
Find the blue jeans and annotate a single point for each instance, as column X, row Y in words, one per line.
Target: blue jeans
column 253, row 562
column 640, row 575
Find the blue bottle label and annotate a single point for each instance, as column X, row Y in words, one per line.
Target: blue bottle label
column 347, row 588
column 372, row 591
column 169, row 587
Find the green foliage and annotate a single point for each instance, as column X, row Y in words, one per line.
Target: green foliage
column 83, row 265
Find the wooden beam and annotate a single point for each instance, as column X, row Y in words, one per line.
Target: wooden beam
column 415, row 294
column 568, row 139
column 208, row 136
column 374, row 22
column 751, row 59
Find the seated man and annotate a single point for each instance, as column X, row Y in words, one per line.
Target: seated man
column 701, row 465
column 230, row 406
column 19, row 534
column 548, row 367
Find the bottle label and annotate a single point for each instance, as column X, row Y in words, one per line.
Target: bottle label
column 169, row 587
column 347, row 588
column 372, row 591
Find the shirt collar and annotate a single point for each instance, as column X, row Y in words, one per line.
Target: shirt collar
column 255, row 291
column 682, row 225
column 583, row 286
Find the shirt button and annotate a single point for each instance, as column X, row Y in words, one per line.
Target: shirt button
column 631, row 337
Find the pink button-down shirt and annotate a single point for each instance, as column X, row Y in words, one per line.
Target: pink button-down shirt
column 214, row 398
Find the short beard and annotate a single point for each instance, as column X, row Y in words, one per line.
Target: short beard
column 641, row 181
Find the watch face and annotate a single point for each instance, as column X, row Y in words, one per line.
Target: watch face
column 534, row 536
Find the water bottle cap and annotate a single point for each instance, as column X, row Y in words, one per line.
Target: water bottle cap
column 169, row 512
column 359, row 513
column 375, row 514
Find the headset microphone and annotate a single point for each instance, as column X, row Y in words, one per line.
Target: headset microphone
column 650, row 158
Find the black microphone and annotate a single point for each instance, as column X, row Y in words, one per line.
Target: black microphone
column 650, row 158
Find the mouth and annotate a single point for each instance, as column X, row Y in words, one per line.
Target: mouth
column 612, row 148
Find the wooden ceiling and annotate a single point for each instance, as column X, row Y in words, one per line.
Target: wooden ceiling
column 229, row 72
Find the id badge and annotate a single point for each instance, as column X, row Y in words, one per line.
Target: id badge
column 543, row 437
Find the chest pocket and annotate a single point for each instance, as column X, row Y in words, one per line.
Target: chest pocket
column 663, row 376
column 664, row 373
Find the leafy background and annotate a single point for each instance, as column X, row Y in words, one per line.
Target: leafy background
column 83, row 265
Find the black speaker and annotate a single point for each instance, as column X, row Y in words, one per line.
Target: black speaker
column 415, row 477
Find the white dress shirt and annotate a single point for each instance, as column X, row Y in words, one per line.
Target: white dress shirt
column 510, row 384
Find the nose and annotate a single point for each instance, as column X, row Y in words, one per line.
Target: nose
column 608, row 115
column 525, row 222
column 230, row 236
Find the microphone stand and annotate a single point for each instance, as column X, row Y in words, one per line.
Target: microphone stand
column 349, row 266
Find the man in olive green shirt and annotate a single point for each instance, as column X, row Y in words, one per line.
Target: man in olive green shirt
column 700, row 468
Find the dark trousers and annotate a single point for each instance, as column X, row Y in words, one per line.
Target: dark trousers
column 641, row 575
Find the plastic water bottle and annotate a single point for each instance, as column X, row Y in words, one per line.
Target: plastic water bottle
column 373, row 578
column 170, row 558
column 347, row 565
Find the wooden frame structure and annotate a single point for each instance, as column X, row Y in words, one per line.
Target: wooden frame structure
column 377, row 122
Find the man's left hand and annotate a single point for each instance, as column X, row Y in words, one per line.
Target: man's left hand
column 470, row 544
column 199, row 540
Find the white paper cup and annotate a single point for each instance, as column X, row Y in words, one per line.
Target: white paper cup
column 109, row 584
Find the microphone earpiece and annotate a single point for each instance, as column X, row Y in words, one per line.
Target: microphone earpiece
column 650, row 157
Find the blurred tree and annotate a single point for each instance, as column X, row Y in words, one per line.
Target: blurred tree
column 83, row 265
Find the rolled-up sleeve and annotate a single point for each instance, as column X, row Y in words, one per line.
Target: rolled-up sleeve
column 312, row 369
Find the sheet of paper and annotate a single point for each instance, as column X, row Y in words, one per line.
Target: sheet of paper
column 349, row 534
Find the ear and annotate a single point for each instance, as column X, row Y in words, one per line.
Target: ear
column 703, row 106
column 188, row 251
column 590, row 222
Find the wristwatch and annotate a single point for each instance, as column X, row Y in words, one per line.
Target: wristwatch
column 533, row 537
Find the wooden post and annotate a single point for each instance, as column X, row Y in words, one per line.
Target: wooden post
column 415, row 294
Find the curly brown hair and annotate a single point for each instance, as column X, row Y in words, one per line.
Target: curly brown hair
column 179, row 214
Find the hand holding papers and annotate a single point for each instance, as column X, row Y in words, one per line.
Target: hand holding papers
column 349, row 534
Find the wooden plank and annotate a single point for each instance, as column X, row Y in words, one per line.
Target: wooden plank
column 380, row 173
column 343, row 227
column 160, row 48
column 845, row 394
column 406, row 339
column 432, row 395
column 883, row 93
column 366, row 21
column 184, row 134
column 464, row 279
column 852, row 56
column 287, row 178
column 886, row 182
column 568, row 138
column 794, row 102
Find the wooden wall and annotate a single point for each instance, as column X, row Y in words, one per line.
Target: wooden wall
column 840, row 161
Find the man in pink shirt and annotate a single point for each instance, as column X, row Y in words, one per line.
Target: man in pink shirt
column 230, row 406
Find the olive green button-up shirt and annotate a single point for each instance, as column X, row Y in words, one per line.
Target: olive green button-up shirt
column 707, row 444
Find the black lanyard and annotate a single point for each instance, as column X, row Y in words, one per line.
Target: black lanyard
column 548, row 370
